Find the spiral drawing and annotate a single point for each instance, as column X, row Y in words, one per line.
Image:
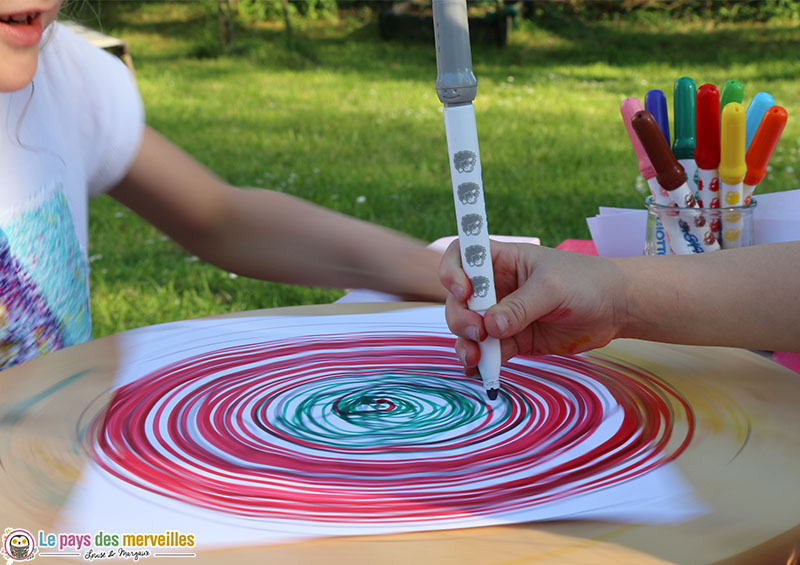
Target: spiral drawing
column 383, row 428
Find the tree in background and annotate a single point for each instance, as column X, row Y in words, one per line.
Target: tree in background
column 226, row 17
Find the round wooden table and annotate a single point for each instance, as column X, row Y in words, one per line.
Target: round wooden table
column 744, row 465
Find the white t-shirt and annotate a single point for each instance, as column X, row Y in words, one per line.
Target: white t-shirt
column 70, row 135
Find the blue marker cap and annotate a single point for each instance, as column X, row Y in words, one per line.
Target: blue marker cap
column 759, row 105
column 656, row 103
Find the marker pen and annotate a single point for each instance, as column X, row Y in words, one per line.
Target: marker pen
column 684, row 119
column 758, row 106
column 628, row 108
column 656, row 103
column 697, row 234
column 764, row 142
column 732, row 91
column 456, row 86
column 732, row 169
column 706, row 152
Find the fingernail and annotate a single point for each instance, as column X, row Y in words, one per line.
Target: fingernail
column 502, row 323
column 473, row 333
column 462, row 354
column 458, row 291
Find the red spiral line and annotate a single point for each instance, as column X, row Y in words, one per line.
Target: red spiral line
column 233, row 430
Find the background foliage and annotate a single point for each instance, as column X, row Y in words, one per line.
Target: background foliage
column 351, row 122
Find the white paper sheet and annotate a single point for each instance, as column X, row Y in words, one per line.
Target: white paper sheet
column 103, row 502
column 777, row 217
column 618, row 232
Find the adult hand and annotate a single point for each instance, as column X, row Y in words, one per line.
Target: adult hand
column 549, row 301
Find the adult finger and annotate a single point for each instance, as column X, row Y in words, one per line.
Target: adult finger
column 462, row 321
column 519, row 309
column 469, row 354
column 452, row 275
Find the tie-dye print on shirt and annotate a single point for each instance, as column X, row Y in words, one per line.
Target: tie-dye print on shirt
column 44, row 290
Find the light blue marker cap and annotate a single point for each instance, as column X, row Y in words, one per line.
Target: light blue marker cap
column 759, row 105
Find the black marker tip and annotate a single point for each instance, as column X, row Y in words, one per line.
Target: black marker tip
column 492, row 393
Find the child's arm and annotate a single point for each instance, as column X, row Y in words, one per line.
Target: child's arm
column 269, row 235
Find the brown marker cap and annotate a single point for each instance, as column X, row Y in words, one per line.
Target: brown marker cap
column 669, row 173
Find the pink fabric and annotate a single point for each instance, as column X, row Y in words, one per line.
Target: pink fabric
column 585, row 246
column 791, row 360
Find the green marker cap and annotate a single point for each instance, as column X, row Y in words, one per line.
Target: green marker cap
column 684, row 140
column 732, row 91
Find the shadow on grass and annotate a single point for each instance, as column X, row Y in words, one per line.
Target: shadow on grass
column 630, row 45
column 355, row 47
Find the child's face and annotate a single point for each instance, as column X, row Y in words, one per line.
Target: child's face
column 21, row 25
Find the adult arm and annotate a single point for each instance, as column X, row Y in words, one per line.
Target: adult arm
column 747, row 297
column 553, row 301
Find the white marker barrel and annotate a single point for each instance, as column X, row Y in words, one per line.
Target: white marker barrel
column 660, row 196
column 473, row 227
column 680, row 240
column 708, row 187
column 470, row 204
column 666, row 226
column 697, row 229
column 747, row 192
column 731, row 195
column 690, row 166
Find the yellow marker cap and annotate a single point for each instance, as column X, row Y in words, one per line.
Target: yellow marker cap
column 732, row 165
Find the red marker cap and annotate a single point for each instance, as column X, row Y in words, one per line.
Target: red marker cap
column 669, row 173
column 764, row 142
column 706, row 152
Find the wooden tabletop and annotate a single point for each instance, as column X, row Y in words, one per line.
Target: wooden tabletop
column 743, row 463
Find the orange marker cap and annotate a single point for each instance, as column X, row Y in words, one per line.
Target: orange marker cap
column 764, row 142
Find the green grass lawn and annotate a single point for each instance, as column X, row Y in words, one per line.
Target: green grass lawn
column 353, row 123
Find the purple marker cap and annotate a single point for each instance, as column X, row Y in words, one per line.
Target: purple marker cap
column 628, row 108
column 656, row 103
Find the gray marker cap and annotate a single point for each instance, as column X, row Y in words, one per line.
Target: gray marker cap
column 455, row 82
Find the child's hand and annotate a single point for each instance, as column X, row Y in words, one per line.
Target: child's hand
column 549, row 301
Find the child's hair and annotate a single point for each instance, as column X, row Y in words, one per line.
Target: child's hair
column 80, row 11
column 22, row 114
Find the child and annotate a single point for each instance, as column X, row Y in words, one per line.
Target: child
column 71, row 127
column 561, row 302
